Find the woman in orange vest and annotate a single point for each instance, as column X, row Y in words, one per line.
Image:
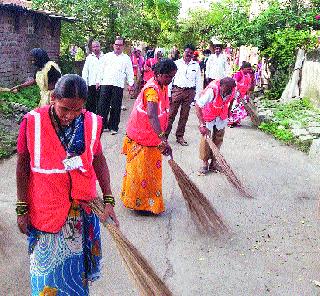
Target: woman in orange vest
column 213, row 109
column 245, row 83
column 146, row 141
column 59, row 159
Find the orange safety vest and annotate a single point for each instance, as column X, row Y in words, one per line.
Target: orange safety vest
column 216, row 107
column 139, row 128
column 51, row 187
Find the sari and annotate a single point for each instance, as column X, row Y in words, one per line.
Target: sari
column 142, row 181
column 42, row 82
column 62, row 263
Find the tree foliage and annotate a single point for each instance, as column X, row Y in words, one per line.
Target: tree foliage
column 146, row 20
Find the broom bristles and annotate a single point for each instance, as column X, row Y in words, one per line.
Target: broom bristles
column 144, row 276
column 226, row 169
column 251, row 112
column 202, row 212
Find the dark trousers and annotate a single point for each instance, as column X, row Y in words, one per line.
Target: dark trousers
column 180, row 97
column 93, row 97
column 110, row 102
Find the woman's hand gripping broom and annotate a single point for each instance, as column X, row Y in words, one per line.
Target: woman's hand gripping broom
column 145, row 277
column 226, row 169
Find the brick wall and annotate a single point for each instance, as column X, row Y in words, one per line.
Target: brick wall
column 19, row 33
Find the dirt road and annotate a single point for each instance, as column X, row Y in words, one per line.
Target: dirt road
column 274, row 247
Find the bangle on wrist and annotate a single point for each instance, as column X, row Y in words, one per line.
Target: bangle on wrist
column 162, row 134
column 202, row 125
column 109, row 199
column 21, row 208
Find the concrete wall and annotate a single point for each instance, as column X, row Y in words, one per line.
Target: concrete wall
column 310, row 86
column 19, row 33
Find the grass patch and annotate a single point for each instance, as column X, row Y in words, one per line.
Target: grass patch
column 285, row 116
column 28, row 97
column 7, row 143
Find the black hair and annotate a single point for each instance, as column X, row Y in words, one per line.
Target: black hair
column 228, row 81
column 71, row 86
column 191, row 46
column 53, row 77
column 245, row 65
column 165, row 66
column 40, row 57
column 207, row 51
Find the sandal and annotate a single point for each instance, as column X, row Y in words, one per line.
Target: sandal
column 182, row 142
column 203, row 171
column 214, row 167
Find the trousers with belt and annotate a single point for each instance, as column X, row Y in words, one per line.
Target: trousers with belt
column 180, row 97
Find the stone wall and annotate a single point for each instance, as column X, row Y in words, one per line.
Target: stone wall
column 20, row 31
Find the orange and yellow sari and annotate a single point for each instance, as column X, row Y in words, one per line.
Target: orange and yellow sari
column 142, row 181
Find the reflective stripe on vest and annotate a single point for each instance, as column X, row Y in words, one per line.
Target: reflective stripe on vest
column 37, row 144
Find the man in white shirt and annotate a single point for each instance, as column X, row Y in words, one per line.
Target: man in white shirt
column 116, row 68
column 216, row 66
column 186, row 87
column 91, row 68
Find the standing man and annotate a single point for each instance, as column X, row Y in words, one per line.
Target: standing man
column 91, row 69
column 116, row 68
column 185, row 88
column 216, row 66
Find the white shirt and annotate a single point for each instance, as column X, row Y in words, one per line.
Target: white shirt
column 216, row 66
column 188, row 75
column 207, row 97
column 115, row 69
column 91, row 68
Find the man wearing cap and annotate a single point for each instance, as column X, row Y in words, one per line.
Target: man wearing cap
column 185, row 87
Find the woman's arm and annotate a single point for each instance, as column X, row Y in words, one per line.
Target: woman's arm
column 103, row 175
column 152, row 111
column 27, row 83
column 22, row 178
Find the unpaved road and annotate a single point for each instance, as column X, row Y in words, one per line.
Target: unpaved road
column 274, row 247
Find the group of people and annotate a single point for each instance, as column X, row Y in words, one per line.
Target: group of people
column 60, row 154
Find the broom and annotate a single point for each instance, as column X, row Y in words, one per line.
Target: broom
column 248, row 106
column 145, row 278
column 226, row 169
column 202, row 212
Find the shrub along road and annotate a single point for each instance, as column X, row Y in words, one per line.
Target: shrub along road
column 274, row 247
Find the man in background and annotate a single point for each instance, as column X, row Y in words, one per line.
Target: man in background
column 90, row 71
column 116, row 68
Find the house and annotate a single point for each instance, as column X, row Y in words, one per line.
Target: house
column 21, row 29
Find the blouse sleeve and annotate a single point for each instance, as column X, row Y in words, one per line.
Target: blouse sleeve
column 150, row 95
column 22, row 138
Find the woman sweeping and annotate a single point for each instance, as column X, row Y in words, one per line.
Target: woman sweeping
column 146, row 141
column 59, row 159
column 245, row 83
column 46, row 75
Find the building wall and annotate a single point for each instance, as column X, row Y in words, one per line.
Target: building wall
column 19, row 33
